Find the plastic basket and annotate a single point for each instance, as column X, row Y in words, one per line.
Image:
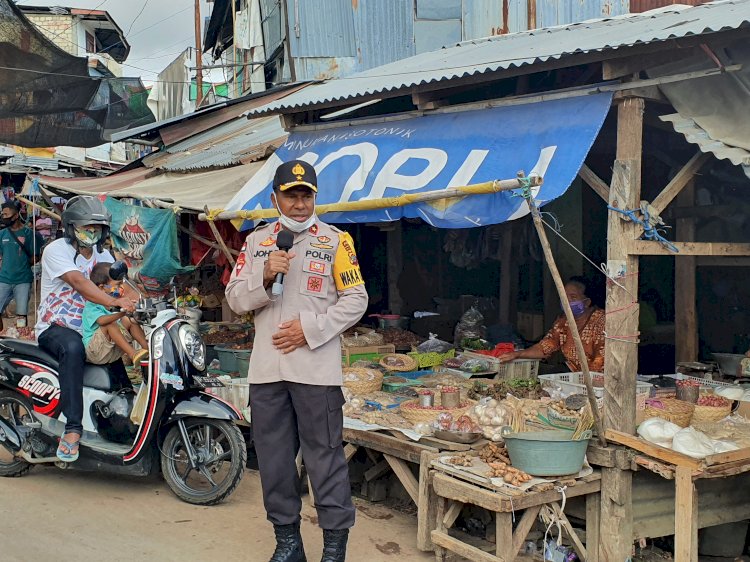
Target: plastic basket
column 572, row 383
column 235, row 392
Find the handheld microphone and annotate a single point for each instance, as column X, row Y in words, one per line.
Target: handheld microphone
column 284, row 242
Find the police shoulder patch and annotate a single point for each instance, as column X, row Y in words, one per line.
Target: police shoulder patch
column 346, row 270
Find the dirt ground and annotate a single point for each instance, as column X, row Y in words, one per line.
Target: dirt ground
column 84, row 516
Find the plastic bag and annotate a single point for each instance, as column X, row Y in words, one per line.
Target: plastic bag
column 434, row 345
column 693, row 443
column 658, row 431
column 470, row 326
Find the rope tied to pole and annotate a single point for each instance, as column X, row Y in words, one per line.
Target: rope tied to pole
column 649, row 222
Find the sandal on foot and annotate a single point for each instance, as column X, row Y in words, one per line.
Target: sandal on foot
column 138, row 356
column 65, row 449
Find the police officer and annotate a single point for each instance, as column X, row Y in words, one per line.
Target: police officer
column 295, row 368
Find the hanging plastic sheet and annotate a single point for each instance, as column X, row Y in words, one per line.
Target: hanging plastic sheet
column 433, row 152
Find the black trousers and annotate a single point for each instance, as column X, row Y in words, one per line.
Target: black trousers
column 67, row 346
column 286, row 417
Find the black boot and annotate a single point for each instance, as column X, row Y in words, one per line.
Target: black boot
column 334, row 545
column 288, row 544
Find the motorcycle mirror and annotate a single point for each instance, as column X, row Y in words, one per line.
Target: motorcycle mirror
column 118, row 271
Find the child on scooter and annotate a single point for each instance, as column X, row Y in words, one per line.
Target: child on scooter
column 108, row 336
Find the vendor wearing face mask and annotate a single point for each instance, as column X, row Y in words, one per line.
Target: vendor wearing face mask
column 20, row 248
column 590, row 323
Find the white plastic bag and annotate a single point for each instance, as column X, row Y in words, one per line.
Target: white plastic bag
column 658, row 431
column 693, row 443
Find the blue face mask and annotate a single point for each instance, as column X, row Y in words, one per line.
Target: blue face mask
column 578, row 308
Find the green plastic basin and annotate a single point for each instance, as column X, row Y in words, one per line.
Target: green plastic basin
column 546, row 453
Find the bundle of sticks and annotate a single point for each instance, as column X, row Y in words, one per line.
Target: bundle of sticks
column 585, row 422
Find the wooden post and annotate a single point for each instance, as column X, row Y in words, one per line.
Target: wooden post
column 198, row 55
column 506, row 273
column 685, row 516
column 685, row 308
column 621, row 355
column 395, row 252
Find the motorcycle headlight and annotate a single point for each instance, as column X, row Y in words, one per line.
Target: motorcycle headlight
column 157, row 342
column 193, row 346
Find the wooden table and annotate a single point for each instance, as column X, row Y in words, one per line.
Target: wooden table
column 451, row 489
column 686, row 471
column 398, row 451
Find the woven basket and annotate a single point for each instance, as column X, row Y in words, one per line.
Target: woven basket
column 675, row 411
column 362, row 381
column 429, row 415
column 711, row 413
column 407, row 363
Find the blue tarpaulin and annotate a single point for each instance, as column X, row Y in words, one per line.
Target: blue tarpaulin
column 437, row 151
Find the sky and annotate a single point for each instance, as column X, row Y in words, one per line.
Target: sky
column 162, row 30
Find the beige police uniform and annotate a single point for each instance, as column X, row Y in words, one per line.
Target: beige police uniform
column 296, row 398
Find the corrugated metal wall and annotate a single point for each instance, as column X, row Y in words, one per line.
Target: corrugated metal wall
column 384, row 31
column 638, row 6
column 339, row 37
column 482, row 18
column 326, row 28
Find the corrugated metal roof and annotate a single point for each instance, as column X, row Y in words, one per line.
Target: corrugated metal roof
column 695, row 134
column 235, row 142
column 492, row 54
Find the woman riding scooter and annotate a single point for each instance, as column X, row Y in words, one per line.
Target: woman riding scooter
column 66, row 266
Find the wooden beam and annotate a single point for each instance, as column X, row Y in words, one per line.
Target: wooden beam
column 627, row 66
column 713, row 261
column 652, row 248
column 731, row 456
column 464, row 550
column 220, row 240
column 349, row 451
column 452, row 514
column 621, row 354
column 686, row 517
column 524, row 526
column 378, row 470
column 711, row 211
column 661, row 453
column 405, row 476
column 506, row 273
column 681, row 179
column 202, row 240
column 594, row 182
column 395, row 253
column 686, row 307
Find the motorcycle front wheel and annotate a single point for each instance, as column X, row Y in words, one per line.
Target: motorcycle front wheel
column 219, row 464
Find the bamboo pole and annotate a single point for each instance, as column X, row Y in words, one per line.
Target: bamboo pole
column 382, row 203
column 220, row 240
column 44, row 210
column 203, row 240
column 539, row 226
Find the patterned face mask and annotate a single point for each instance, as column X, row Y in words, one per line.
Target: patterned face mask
column 88, row 236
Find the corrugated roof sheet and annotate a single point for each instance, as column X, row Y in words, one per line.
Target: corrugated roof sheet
column 335, row 16
column 695, row 134
column 492, row 54
column 239, row 141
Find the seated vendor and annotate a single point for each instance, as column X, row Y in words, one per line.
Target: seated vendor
column 590, row 322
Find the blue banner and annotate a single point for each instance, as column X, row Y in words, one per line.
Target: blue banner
column 146, row 239
column 433, row 152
